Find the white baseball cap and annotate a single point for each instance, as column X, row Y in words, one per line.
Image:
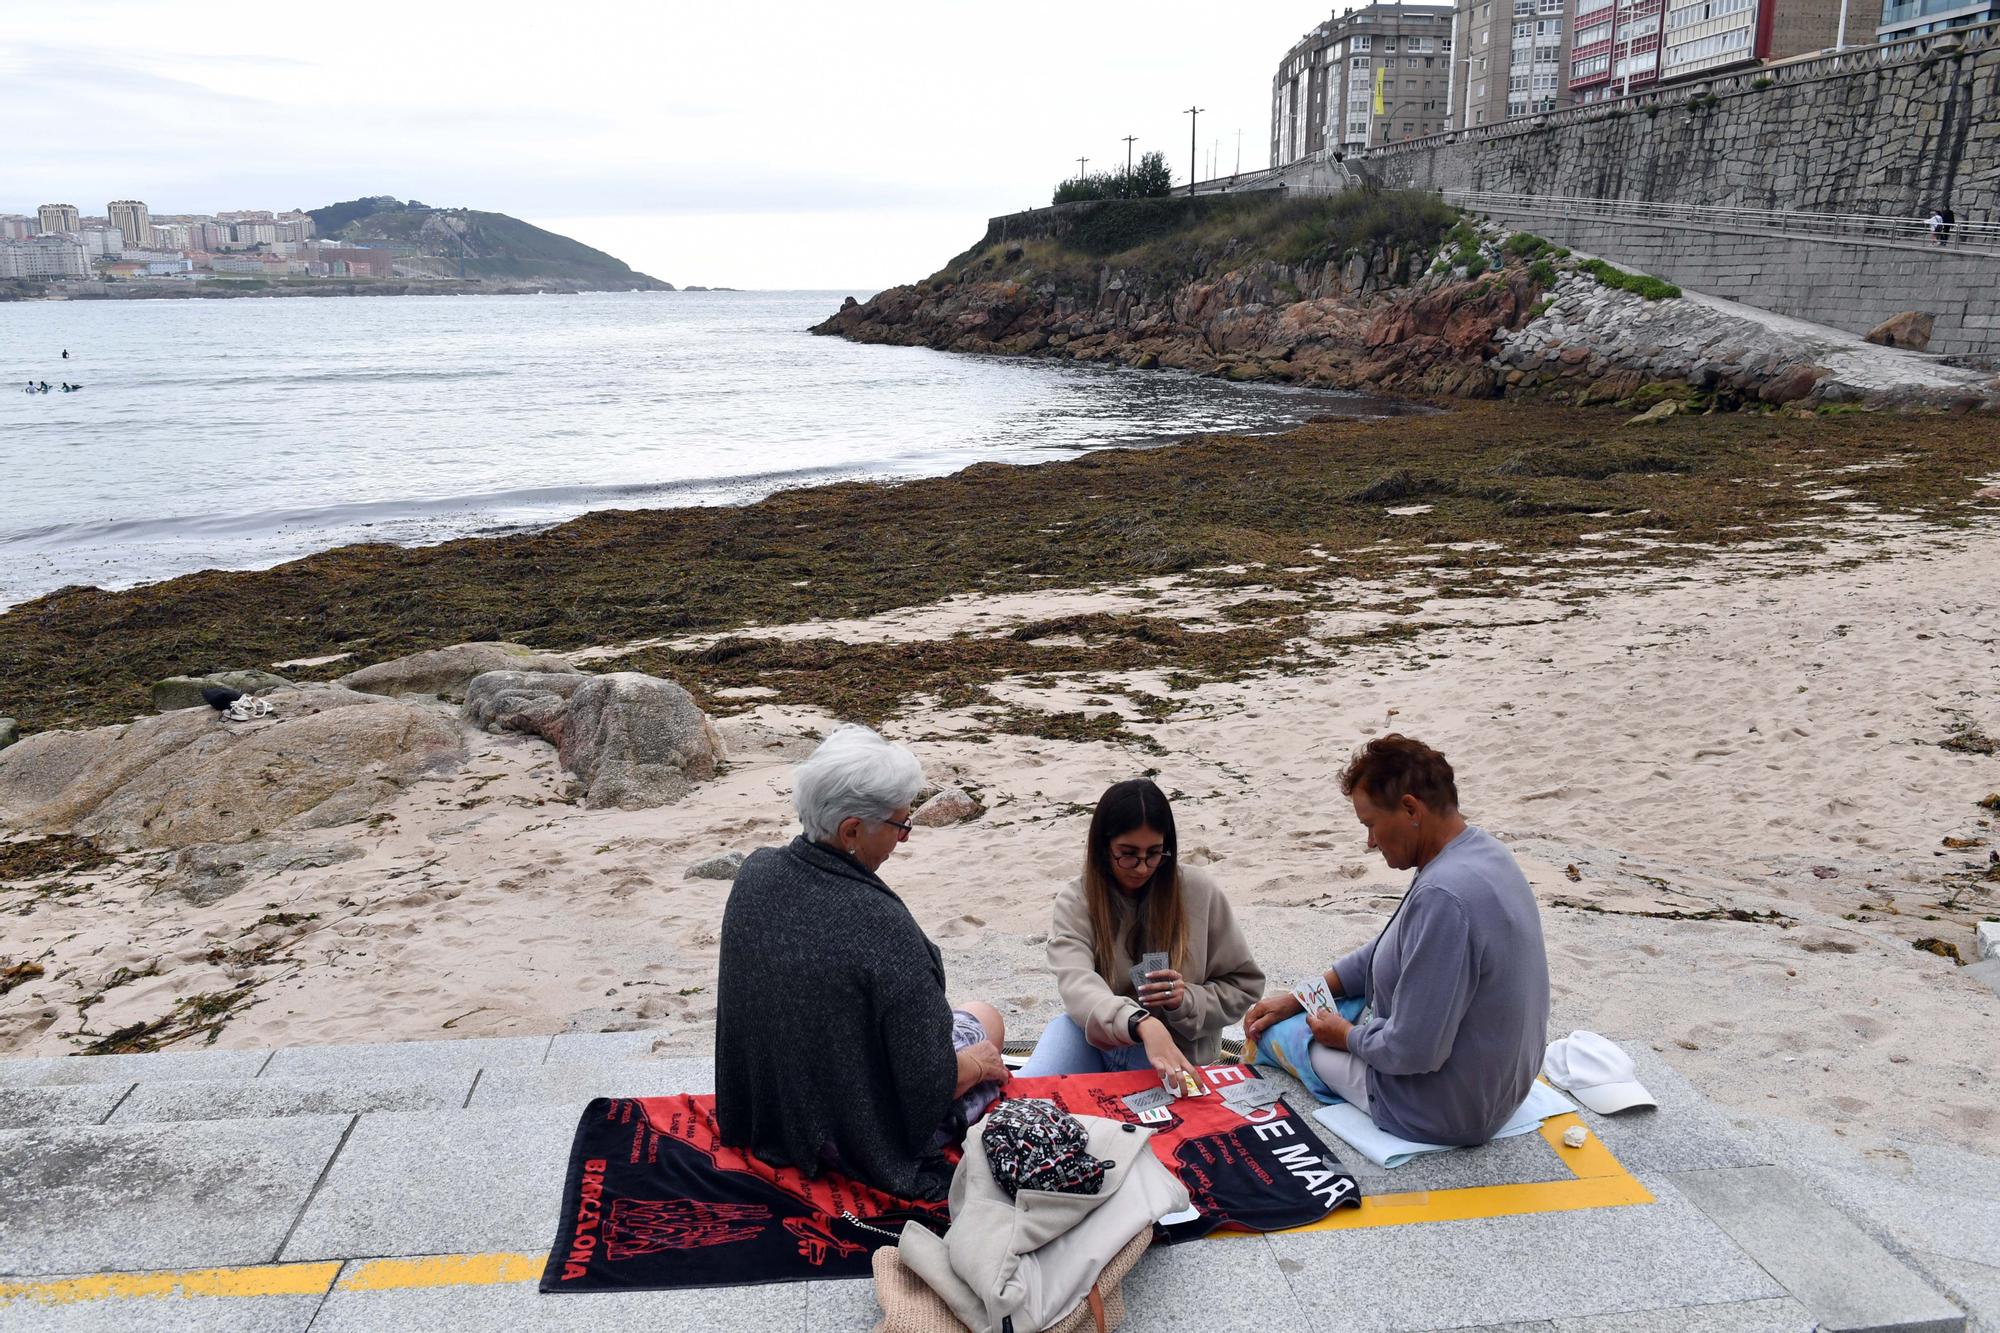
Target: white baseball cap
column 1596, row 1072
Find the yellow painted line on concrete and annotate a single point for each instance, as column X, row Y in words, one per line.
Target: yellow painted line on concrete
column 261, row 1280
column 1598, row 1180
column 443, row 1270
column 1591, row 1160
column 1484, row 1201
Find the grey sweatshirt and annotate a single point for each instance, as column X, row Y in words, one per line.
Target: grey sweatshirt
column 1459, row 987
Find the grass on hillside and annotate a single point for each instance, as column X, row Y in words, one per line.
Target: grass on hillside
column 1175, row 239
column 1653, row 289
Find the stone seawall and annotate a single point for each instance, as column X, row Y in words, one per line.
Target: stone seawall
column 1889, row 131
column 1844, row 284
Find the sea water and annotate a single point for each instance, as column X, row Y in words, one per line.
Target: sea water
column 236, row 434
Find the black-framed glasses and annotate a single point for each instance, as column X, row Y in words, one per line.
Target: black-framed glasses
column 1133, row 860
column 902, row 830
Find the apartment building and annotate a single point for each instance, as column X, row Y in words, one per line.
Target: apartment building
column 1370, row 76
column 134, row 219
column 58, row 217
column 1902, row 19
column 1512, row 59
column 46, row 256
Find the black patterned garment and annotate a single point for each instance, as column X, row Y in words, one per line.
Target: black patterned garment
column 833, row 1038
column 1036, row 1145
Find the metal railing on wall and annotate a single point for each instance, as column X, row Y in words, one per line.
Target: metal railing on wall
column 1979, row 237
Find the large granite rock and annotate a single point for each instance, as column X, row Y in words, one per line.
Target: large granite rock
column 326, row 756
column 949, row 806
column 446, row 672
column 635, row 741
column 185, row 691
column 536, row 702
column 1911, row 329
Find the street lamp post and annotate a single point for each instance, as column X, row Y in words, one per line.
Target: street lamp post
column 1193, row 114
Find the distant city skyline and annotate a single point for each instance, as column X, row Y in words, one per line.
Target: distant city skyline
column 785, row 146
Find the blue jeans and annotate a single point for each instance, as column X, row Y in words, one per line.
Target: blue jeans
column 1064, row 1050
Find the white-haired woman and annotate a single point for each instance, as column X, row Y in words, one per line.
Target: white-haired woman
column 834, row 1043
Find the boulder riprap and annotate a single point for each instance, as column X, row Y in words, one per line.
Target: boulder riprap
column 445, row 672
column 185, row 691
column 325, row 756
column 532, row 701
column 635, row 741
column 723, row 865
column 950, row 806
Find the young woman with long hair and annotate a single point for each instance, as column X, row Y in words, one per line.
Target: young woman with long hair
column 1135, row 898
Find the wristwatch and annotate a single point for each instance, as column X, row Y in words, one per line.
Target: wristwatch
column 1132, row 1024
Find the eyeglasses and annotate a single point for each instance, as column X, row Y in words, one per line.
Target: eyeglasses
column 1133, row 860
column 902, row 830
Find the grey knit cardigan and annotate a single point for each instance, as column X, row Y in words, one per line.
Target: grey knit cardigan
column 832, row 1031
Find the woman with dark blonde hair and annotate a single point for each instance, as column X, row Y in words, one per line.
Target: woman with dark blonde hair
column 1134, row 898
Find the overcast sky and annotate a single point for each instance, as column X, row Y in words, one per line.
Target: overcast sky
column 753, row 145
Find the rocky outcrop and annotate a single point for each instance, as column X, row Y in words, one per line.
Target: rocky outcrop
column 950, row 806
column 628, row 740
column 1911, row 329
column 185, row 691
column 722, row 866
column 1481, row 321
column 211, row 872
column 536, row 702
column 634, row 741
column 1596, row 344
column 445, row 672
column 325, row 756
column 1346, row 324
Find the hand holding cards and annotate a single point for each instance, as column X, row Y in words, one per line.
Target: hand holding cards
column 1152, row 962
column 1315, row 996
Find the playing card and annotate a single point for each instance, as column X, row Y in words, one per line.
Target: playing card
column 1314, row 995
column 1251, row 1094
column 1151, row 1099
column 1152, row 962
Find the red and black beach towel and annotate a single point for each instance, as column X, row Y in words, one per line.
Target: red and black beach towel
column 653, row 1199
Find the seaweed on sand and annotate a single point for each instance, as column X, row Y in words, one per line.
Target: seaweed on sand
column 1223, row 510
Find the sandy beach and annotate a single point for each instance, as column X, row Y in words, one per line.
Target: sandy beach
column 1722, row 772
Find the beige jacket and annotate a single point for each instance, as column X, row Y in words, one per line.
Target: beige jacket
column 1223, row 980
column 1031, row 1259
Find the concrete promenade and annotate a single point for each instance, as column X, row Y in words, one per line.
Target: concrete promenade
column 415, row 1186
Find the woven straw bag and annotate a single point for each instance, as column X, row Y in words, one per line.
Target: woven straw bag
column 909, row 1306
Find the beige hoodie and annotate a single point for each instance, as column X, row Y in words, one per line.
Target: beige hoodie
column 1031, row 1259
column 1223, row 980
